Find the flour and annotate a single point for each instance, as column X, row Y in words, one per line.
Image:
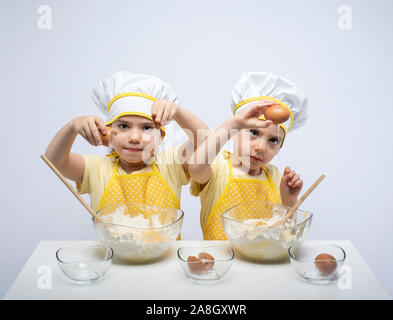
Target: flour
column 260, row 228
column 124, row 226
column 137, row 237
column 254, row 239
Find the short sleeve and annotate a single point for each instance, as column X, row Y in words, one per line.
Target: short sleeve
column 275, row 175
column 92, row 164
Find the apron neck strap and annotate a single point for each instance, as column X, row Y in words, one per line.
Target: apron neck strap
column 227, row 155
column 116, row 169
column 269, row 178
column 154, row 167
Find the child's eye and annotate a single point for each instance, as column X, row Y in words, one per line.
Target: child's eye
column 148, row 128
column 273, row 140
column 254, row 133
column 123, row 126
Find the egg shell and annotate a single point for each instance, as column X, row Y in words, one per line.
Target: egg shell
column 195, row 264
column 106, row 139
column 325, row 263
column 207, row 260
column 277, row 113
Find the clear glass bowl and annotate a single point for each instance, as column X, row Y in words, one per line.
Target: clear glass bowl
column 250, row 237
column 86, row 264
column 303, row 261
column 138, row 233
column 206, row 272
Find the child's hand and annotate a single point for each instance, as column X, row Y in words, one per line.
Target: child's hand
column 163, row 111
column 248, row 118
column 88, row 126
column 290, row 187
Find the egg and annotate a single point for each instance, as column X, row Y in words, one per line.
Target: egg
column 325, row 263
column 277, row 113
column 203, row 262
column 207, row 260
column 106, row 139
column 195, row 264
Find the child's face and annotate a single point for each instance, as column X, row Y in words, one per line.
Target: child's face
column 257, row 147
column 134, row 138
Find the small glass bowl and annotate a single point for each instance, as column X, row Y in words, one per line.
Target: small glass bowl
column 206, row 272
column 85, row 265
column 303, row 261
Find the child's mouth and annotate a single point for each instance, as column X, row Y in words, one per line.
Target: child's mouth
column 134, row 150
column 255, row 159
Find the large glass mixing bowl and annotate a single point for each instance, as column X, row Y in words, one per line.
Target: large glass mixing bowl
column 246, row 227
column 138, row 232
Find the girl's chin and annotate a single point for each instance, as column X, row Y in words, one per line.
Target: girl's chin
column 252, row 166
column 134, row 159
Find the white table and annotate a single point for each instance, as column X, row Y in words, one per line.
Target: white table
column 165, row 280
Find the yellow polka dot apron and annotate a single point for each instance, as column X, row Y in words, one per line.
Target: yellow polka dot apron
column 147, row 188
column 239, row 190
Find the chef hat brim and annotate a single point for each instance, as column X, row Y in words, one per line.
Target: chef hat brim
column 120, row 106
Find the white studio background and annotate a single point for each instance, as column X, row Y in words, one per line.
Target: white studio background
column 344, row 65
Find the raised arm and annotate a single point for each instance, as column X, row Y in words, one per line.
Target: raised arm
column 72, row 165
column 195, row 129
column 199, row 165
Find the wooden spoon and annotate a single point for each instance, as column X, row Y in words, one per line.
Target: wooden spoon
column 72, row 189
column 298, row 203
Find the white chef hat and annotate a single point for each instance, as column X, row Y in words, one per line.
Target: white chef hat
column 256, row 86
column 125, row 93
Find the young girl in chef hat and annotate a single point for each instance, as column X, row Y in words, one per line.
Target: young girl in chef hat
column 136, row 107
column 247, row 174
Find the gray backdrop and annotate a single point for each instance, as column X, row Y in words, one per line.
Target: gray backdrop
column 201, row 48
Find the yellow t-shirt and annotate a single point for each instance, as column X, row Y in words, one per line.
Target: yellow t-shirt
column 99, row 170
column 219, row 179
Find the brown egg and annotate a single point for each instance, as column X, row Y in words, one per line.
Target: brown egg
column 195, row 264
column 325, row 263
column 277, row 113
column 207, row 260
column 106, row 139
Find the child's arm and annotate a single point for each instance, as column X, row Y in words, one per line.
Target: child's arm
column 72, row 165
column 200, row 163
column 196, row 130
column 290, row 187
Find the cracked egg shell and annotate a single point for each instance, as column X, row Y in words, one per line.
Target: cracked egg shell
column 106, row 139
column 207, row 260
column 195, row 264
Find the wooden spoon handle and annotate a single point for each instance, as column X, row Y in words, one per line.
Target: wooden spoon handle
column 70, row 187
column 299, row 202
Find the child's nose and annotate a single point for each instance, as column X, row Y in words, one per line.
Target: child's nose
column 135, row 136
column 260, row 146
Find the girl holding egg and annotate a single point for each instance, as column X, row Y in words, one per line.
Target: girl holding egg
column 265, row 107
column 137, row 107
